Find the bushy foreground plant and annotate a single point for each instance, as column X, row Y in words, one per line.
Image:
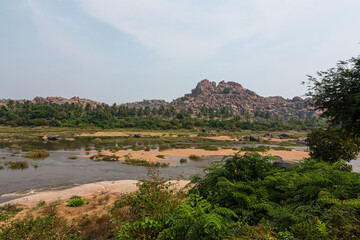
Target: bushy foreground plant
column 313, row 200
column 147, row 212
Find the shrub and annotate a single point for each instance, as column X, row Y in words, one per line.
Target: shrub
column 145, row 213
column 160, row 156
column 194, row 157
column 37, row 153
column 183, row 160
column 76, row 201
column 73, row 157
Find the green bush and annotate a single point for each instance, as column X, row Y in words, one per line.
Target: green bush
column 147, row 212
column 312, row 200
column 76, row 201
column 194, row 157
column 183, row 160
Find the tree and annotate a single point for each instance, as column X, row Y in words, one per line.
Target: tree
column 336, row 93
column 332, row 144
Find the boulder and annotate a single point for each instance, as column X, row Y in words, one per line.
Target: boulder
column 301, row 140
column 44, row 138
column 268, row 135
column 53, row 137
column 255, row 138
column 70, row 139
column 137, row 135
column 286, row 135
column 240, row 139
column 283, row 164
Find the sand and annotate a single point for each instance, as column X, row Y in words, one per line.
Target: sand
column 185, row 153
column 123, row 134
column 86, row 190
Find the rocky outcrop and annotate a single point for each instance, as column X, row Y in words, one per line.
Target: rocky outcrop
column 239, row 100
column 58, row 100
column 154, row 103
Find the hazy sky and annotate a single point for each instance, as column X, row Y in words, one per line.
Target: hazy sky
column 119, row 51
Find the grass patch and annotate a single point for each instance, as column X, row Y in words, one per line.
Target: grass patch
column 100, row 157
column 282, row 148
column 164, row 147
column 193, row 157
column 14, row 146
column 260, row 148
column 8, row 211
column 139, row 162
column 17, row 165
column 1, row 167
column 76, row 201
column 208, row 148
column 37, row 153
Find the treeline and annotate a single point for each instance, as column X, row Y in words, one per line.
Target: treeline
column 105, row 116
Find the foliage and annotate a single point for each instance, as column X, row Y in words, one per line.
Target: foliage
column 313, row 200
column 145, row 213
column 198, row 219
column 76, row 201
column 104, row 116
column 37, row 153
column 41, row 228
column 332, row 144
column 336, row 93
column 8, row 211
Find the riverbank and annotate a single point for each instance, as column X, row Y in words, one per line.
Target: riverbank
column 85, row 190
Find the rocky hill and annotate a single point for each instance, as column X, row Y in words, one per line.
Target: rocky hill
column 233, row 97
column 58, row 100
column 229, row 95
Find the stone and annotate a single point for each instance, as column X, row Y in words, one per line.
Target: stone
column 137, row 135
column 301, row 140
column 255, row 138
column 53, row 137
column 286, row 135
column 268, row 135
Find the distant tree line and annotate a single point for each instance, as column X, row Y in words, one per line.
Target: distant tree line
column 74, row 115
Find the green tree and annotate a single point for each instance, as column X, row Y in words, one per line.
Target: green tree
column 336, row 93
column 332, row 144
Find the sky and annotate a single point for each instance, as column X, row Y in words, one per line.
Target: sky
column 118, row 51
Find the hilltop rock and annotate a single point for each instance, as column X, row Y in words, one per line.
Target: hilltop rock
column 57, row 100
